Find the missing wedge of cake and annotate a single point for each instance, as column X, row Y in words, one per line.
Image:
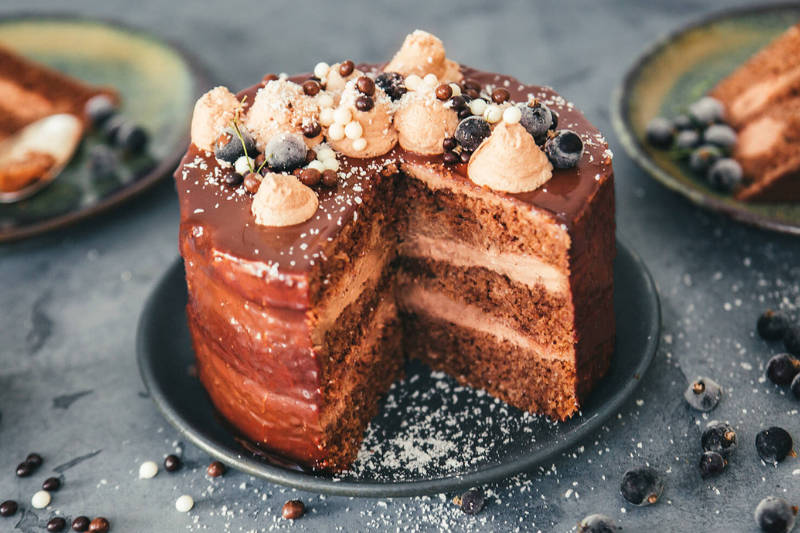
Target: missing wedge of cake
column 334, row 224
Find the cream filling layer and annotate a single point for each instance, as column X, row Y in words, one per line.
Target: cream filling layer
column 363, row 274
column 527, row 270
column 436, row 305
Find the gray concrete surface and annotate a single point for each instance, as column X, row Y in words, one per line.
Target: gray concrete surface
column 70, row 301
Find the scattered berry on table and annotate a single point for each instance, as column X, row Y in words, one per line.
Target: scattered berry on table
column 683, row 122
column 725, row 175
column 642, row 485
column 215, row 469
column 719, row 437
column 471, row 132
column 112, row 126
column 597, row 523
column 687, row 139
column 229, row 147
column 81, row 524
column 772, row 325
column 172, row 463
column 720, row 135
column 711, row 464
column 791, row 340
column 24, row 470
column 703, row 395
column 782, row 368
column 706, row 111
column 471, row 502
column 774, row 445
column 703, row 158
column 8, row 508
column 285, row 152
column 131, row 137
column 103, row 162
column 775, row 515
column 293, row 509
column 99, row 109
column 51, row 484
column 537, row 119
column 56, row 524
column 565, row 149
column 34, row 459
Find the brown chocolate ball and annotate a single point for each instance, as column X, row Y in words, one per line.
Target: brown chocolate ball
column 293, row 509
column 444, row 91
column 329, row 178
column 310, row 176
column 500, row 95
column 311, row 87
column 346, row 68
column 365, row 85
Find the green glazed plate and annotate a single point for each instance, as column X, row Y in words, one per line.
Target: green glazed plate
column 679, row 69
column 158, row 84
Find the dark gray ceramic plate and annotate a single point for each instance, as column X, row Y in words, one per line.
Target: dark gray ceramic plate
column 677, row 70
column 158, row 84
column 431, row 435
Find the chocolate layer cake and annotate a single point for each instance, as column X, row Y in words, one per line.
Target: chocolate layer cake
column 762, row 102
column 333, row 224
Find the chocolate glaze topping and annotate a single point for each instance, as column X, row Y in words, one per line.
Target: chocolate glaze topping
column 225, row 213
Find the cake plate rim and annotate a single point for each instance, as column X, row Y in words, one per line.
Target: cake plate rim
column 623, row 126
column 649, row 313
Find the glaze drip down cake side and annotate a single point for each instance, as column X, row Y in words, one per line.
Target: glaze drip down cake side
column 336, row 223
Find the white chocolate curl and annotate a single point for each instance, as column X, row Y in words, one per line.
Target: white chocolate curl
column 377, row 128
column 509, row 161
column 213, row 112
column 281, row 107
column 423, row 121
column 281, row 200
column 422, row 54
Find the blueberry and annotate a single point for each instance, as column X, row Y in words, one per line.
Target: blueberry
column 720, row 135
column 683, row 122
column 565, row 149
column 229, row 147
column 131, row 137
column 471, row 132
column 795, row 386
column 99, row 109
column 719, row 437
column 704, row 394
column 775, row 515
column 791, row 340
column 706, row 111
column 660, row 132
column 774, row 445
column 642, row 485
column 536, row 119
column 285, row 152
column 103, row 162
column 597, row 523
column 112, row 126
column 772, row 325
column 389, row 82
column 782, row 369
column 725, row 175
column 471, row 502
column 703, row 158
column 711, row 464
column 687, row 139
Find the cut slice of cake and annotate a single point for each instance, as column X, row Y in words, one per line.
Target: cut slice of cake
column 334, row 224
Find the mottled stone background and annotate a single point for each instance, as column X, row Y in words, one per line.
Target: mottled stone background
column 69, row 302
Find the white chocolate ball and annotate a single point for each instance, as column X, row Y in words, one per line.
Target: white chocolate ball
column 331, row 164
column 40, row 500
column 317, row 165
column 512, row 115
column 456, row 89
column 342, row 116
column 431, row 80
column 353, row 130
column 242, row 165
column 148, row 470
column 184, row 503
column 324, row 100
column 326, row 117
column 359, row 144
column 477, row 106
column 493, row 114
column 412, row 82
column 321, row 70
column 326, row 153
column 336, row 132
